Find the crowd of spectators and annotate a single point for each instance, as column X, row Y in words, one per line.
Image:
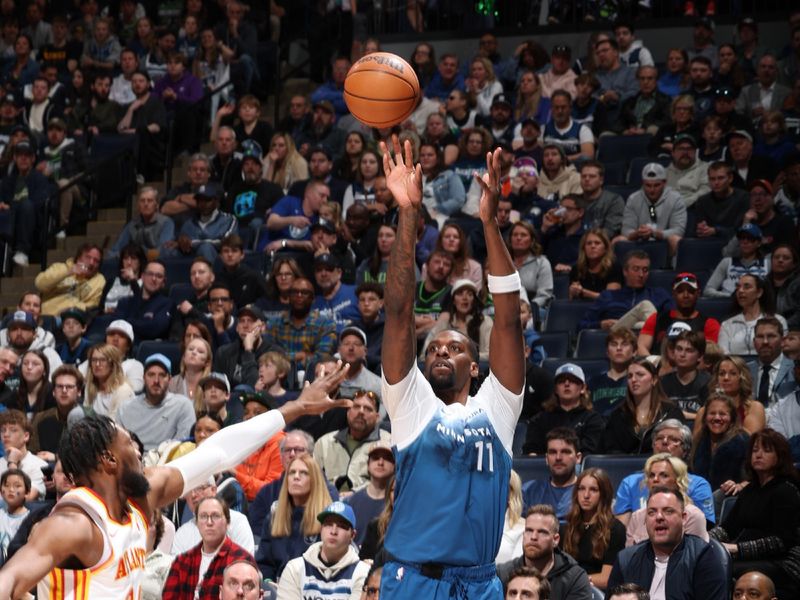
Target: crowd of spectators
column 266, row 264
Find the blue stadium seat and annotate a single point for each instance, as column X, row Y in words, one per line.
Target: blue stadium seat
column 697, row 253
column 180, row 291
column 564, row 315
column 555, row 343
column 622, row 190
column 96, row 332
column 590, row 366
column 531, row 467
column 637, row 166
column 658, row 251
column 661, row 278
column 255, row 260
column 718, row 308
column 171, row 350
column 560, row 287
column 591, row 343
column 109, row 268
column 178, row 269
column 622, row 147
column 617, row 466
column 615, row 172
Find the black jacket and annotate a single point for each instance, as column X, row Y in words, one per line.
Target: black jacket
column 588, row 425
column 245, row 283
column 657, row 116
column 621, row 438
column 567, row 579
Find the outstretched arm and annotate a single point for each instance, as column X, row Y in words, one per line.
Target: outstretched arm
column 506, row 352
column 230, row 446
column 399, row 338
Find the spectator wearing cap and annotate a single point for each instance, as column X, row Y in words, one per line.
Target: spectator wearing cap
column 335, row 300
column 322, row 131
column 720, row 212
column 181, row 92
column 39, row 109
column 631, row 51
column 119, row 334
column 245, row 283
column 290, row 220
column 701, row 88
column 603, row 208
column 748, row 50
column 369, row 501
column 686, row 174
column 239, row 358
column 562, row 230
column 656, row 212
column 775, row 228
column 148, row 229
column 617, row 80
column 353, row 351
column 750, row 260
column 179, row 202
column 765, row 93
column 557, row 177
column 331, row 563
column 646, row 111
column 703, row 41
column 264, row 465
column 203, row 234
column 146, row 118
column 73, row 349
column 570, row 407
column 157, row 415
column 560, row 76
column 21, row 331
column 725, row 108
column 8, row 116
column 499, row 121
column 342, row 455
column 772, row 372
column 575, row 139
column 446, row 79
column 22, row 196
column 226, row 162
column 320, row 168
column 31, row 301
column 75, row 283
column 62, row 159
column 149, row 310
column 685, row 293
column 325, row 240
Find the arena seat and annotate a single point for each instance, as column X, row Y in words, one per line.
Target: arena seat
column 555, row 343
column 725, row 562
column 171, row 350
column 590, row 366
column 697, row 253
column 718, row 308
column 725, row 507
column 561, row 287
column 622, row 190
column 531, row 467
column 177, row 269
column 96, row 332
column 564, row 315
column 661, row 278
column 637, row 166
column 591, row 343
column 109, row 268
column 616, row 172
column 622, row 147
column 179, row 291
column 617, row 466
column 657, row 250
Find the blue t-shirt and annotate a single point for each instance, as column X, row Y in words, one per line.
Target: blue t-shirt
column 632, row 495
column 290, row 206
column 341, row 308
column 540, row 491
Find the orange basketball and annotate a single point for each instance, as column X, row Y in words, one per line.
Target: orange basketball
column 381, row 90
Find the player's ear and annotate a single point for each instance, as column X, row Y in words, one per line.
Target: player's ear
column 474, row 370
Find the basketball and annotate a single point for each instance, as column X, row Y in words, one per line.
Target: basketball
column 381, row 90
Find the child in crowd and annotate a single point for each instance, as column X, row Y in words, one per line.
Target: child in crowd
column 610, row 388
column 73, row 325
column 14, row 486
column 712, row 148
column 687, row 385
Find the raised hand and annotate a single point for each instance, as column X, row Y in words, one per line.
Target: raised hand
column 402, row 178
column 490, row 187
column 315, row 398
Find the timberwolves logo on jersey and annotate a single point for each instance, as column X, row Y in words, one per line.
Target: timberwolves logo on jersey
column 466, row 443
column 245, row 204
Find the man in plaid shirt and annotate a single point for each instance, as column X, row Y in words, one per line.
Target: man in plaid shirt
column 197, row 573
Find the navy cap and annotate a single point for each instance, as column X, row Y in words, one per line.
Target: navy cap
column 325, row 224
column 252, row 310
column 501, row 99
column 24, row 147
column 22, row 318
column 725, row 91
column 751, row 229
column 684, row 138
column 209, row 190
column 252, row 149
column 74, row 313
column 341, row 510
column 327, row 260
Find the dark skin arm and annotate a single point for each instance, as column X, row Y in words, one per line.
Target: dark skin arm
column 400, row 339
column 506, row 351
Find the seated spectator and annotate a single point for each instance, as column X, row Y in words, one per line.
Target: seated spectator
column 31, row 302
column 40, row 109
column 754, row 582
column 149, row 310
column 687, row 386
column 465, row 314
column 263, row 466
column 320, row 166
column 19, row 69
column 591, row 534
column 146, row 117
column 247, row 125
column 181, row 91
column 290, row 220
column 155, row 62
column 336, row 301
column 194, row 369
column 720, row 212
column 342, row 455
column 664, row 469
column 15, row 431
column 472, row 149
column 215, row 399
column 761, row 527
column 275, row 302
column 784, row 276
column 76, row 283
column 752, row 101
column 121, row 91
column 732, row 377
column 697, row 572
column 629, row 429
column 701, row 88
column 612, row 308
column 646, row 111
column 772, row 372
column 681, row 121
column 101, row 52
column 119, row 333
column 246, row 283
column 753, row 300
column 283, row 164
column 199, row 570
column 353, row 351
column 322, row 131
column 371, row 321
column 292, row 527
column 570, row 407
column 48, row 425
column 595, row 269
column 575, row 139
column 23, row 192
column 107, row 388
column 751, row 259
column 685, row 174
column 610, row 388
column 631, row 50
column 226, row 163
column 362, row 189
column 499, row 122
column 452, row 240
column 783, row 415
column 332, row 560
column 203, row 234
column 373, row 269
column 656, row 212
column 560, row 76
column 273, row 369
column 15, row 485
column 788, row 194
column 447, row 79
column 725, row 109
column 562, row 454
column 712, row 145
column 443, row 191
column 238, row 359
column 482, row 85
column 35, row 392
column 346, row 167
column 61, row 51
column 132, row 262
column 775, row 228
column 557, row 178
column 562, row 231
column 771, row 140
column 432, row 292
column 73, row 349
column 603, row 208
column 98, row 114
column 541, row 551
column 436, row 131
column 535, row 271
column 369, row 501
column 617, row 80
column 179, row 203
column 719, row 452
column 748, row 168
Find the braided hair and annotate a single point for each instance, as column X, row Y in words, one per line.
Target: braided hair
column 83, row 444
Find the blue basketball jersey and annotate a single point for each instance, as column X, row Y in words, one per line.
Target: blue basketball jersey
column 569, row 141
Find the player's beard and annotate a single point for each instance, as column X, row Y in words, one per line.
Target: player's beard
column 134, row 484
column 442, row 383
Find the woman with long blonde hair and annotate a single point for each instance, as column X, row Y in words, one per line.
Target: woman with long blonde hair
column 284, row 165
column 530, row 103
column 195, row 364
column 482, row 84
column 107, row 389
column 731, row 377
column 293, row 525
column 592, row 535
column 513, row 524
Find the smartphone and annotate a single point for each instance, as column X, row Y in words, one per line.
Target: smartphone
column 47, row 472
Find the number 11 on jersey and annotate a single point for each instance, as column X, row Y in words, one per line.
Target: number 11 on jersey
column 480, row 445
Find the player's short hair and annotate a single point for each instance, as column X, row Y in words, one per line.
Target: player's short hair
column 544, row 510
column 532, row 573
column 83, row 445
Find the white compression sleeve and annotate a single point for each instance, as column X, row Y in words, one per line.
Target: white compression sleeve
column 227, row 448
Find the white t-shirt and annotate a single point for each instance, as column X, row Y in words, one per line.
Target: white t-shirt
column 31, row 465
column 9, row 525
column 658, row 585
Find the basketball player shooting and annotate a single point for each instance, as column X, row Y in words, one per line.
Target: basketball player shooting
column 94, row 543
column 453, row 450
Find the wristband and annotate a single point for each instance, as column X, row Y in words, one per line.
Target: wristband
column 504, row 284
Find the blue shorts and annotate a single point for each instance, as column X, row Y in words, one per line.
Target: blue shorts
column 404, row 581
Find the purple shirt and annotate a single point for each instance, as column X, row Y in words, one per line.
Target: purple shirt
column 189, row 89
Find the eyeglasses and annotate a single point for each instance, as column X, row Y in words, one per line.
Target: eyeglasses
column 211, row 517
column 295, row 450
column 65, row 386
